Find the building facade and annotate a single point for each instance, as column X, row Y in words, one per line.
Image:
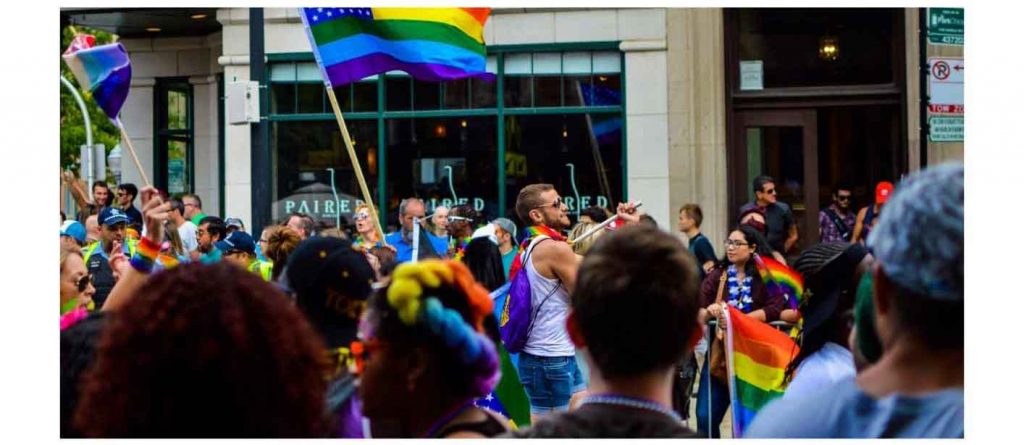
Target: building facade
column 668, row 106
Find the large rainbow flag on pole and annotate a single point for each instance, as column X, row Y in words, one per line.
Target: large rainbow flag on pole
column 433, row 44
column 758, row 355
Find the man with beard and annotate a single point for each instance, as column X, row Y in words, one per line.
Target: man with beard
column 211, row 229
column 430, row 246
column 836, row 221
column 549, row 355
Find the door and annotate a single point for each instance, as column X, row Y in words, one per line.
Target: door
column 782, row 144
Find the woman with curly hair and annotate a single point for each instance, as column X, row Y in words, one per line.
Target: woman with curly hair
column 429, row 354
column 281, row 242
column 205, row 351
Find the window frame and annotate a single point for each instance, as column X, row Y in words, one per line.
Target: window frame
column 162, row 135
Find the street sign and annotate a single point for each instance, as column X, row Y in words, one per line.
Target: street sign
column 946, row 26
column 946, row 129
column 946, row 85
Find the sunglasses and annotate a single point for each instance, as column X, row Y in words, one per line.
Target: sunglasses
column 84, row 282
column 556, row 204
column 770, row 191
column 460, row 218
column 843, row 197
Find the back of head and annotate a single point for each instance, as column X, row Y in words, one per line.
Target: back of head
column 281, row 242
column 331, row 281
column 205, row 351
column 919, row 244
column 597, row 214
column 529, row 198
column 583, row 246
column 635, row 285
column 484, row 261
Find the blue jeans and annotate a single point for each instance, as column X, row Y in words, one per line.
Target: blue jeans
column 719, row 400
column 550, row 381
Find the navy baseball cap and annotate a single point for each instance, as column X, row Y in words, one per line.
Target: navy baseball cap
column 110, row 216
column 73, row 229
column 237, row 240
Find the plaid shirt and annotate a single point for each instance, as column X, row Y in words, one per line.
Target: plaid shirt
column 829, row 231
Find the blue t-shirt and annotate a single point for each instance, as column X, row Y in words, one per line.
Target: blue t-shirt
column 403, row 249
column 507, row 260
column 844, row 411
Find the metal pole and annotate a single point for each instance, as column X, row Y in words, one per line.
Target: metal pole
column 88, row 128
column 260, row 155
column 922, row 38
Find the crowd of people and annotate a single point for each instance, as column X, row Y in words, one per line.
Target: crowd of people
column 175, row 323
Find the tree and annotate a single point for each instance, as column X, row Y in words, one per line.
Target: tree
column 72, row 124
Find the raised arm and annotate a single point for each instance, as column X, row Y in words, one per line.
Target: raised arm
column 155, row 212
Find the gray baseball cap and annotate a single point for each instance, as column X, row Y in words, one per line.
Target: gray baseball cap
column 506, row 225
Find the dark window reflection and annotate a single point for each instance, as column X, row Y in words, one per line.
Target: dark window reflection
column 419, row 150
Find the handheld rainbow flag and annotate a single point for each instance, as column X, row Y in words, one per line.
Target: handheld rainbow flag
column 758, row 355
column 432, row 44
column 780, row 279
column 104, row 71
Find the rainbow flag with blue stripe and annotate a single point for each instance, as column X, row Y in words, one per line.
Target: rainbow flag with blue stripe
column 104, row 71
column 432, row 44
column 758, row 355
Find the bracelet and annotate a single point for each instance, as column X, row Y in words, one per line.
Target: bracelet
column 145, row 256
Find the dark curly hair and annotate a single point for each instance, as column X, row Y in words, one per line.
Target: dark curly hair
column 206, row 351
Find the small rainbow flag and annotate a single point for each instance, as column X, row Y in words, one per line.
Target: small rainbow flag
column 780, row 279
column 758, row 355
column 104, row 71
column 432, row 44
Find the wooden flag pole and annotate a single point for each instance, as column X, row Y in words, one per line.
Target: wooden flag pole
column 355, row 161
column 131, row 151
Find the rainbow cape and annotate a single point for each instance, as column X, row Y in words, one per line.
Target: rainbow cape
column 104, row 71
column 758, row 355
column 432, row 44
column 780, row 279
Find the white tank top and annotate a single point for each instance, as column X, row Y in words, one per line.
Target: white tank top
column 549, row 337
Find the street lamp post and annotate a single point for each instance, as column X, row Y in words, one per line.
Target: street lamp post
column 88, row 129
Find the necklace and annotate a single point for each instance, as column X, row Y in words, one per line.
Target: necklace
column 631, row 402
column 440, row 423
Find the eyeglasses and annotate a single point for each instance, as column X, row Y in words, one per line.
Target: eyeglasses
column 732, row 244
column 188, row 204
column 84, row 282
column 556, row 204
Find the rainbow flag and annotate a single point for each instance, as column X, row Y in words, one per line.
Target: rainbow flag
column 433, row 44
column 104, row 71
column 508, row 398
column 758, row 355
column 780, row 279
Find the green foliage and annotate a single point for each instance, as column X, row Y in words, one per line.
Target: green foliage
column 72, row 124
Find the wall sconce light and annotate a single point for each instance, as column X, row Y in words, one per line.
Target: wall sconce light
column 828, row 48
column 464, row 123
column 440, row 131
column 371, row 160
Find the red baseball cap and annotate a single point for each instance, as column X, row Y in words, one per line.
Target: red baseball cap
column 882, row 191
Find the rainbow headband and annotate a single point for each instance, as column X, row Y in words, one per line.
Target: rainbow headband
column 408, row 295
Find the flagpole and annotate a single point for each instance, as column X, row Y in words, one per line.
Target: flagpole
column 355, row 161
column 131, row 151
column 590, row 232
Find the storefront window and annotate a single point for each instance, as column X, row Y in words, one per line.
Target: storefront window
column 304, row 151
column 299, row 88
column 423, row 153
column 580, row 154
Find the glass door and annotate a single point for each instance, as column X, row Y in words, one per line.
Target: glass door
column 783, row 145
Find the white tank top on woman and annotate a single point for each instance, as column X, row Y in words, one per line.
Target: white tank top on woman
column 549, row 337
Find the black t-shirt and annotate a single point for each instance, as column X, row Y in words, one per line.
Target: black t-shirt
column 701, row 248
column 77, row 351
column 134, row 217
column 777, row 220
column 605, row 421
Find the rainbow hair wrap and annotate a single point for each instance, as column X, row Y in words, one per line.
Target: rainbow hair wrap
column 409, row 295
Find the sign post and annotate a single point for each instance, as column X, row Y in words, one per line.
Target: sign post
column 946, row 99
column 946, row 26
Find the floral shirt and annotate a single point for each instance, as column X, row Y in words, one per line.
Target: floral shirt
column 829, row 232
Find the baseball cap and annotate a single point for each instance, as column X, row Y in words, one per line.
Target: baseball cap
column 234, row 222
column 882, row 192
column 919, row 238
column 73, row 229
column 506, row 225
column 319, row 271
column 237, row 240
column 110, row 216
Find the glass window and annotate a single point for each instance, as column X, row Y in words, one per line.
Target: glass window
column 427, row 95
column 788, row 43
column 456, row 94
column 311, row 98
column 303, row 153
column 484, row 93
column 422, row 152
column 174, row 143
column 542, row 148
column 398, row 92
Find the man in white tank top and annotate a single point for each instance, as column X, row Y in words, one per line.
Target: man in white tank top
column 547, row 366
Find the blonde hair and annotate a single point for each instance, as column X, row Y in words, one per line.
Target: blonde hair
column 65, row 252
column 583, row 246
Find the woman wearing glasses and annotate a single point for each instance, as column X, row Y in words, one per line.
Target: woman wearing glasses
column 366, row 235
column 735, row 282
column 76, row 288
